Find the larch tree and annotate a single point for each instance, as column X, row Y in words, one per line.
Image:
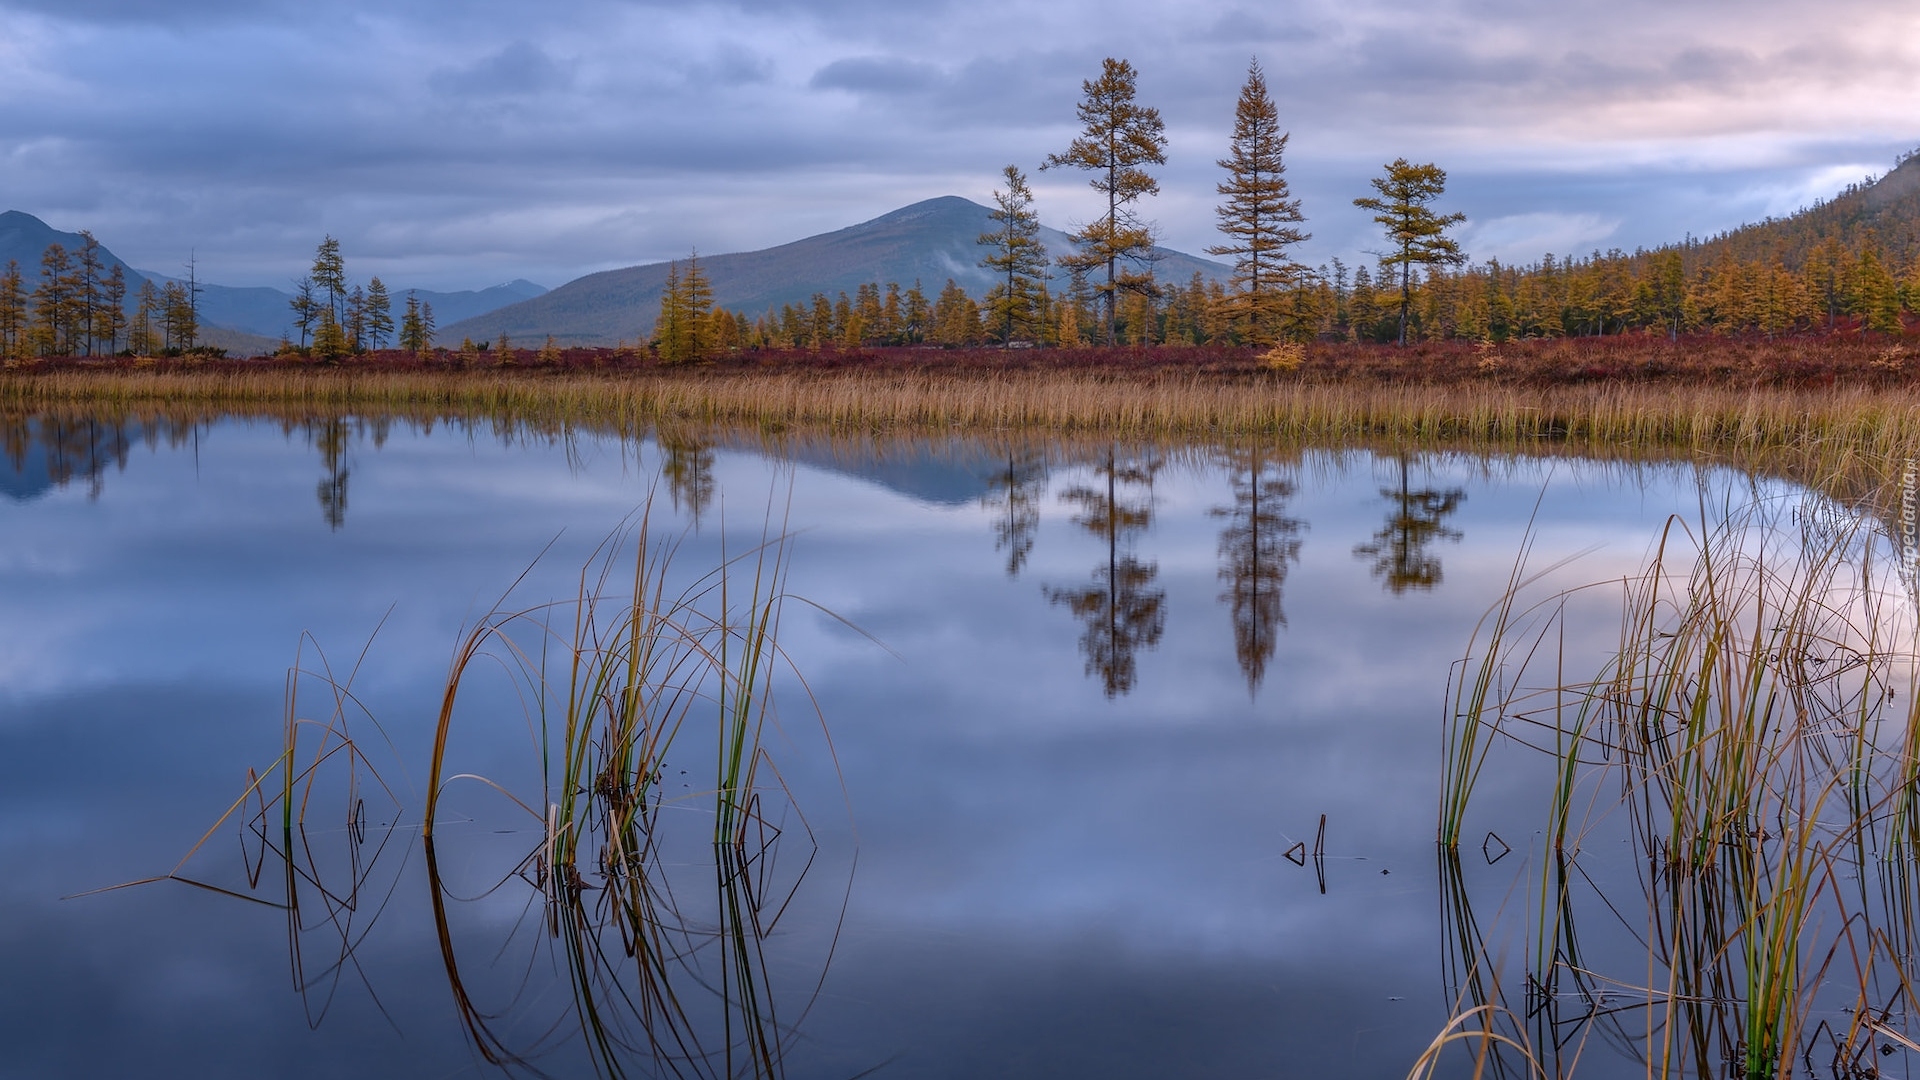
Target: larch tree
column 306, row 308
column 1017, row 259
column 179, row 316
column 13, row 311
column 87, row 290
column 111, row 318
column 330, row 276
column 355, row 323
column 1418, row 235
column 379, row 314
column 413, row 337
column 1118, row 138
column 683, row 329
column 1258, row 215
column 143, row 337
column 53, row 302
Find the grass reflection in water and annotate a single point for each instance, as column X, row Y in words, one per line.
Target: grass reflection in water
column 653, row 910
column 1752, row 741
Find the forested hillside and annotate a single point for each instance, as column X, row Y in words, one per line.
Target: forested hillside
column 927, row 243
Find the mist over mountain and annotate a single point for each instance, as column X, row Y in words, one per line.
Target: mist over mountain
column 927, row 242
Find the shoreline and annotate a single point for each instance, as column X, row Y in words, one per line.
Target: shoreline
column 1120, row 401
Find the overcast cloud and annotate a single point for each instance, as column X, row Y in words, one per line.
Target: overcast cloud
column 458, row 143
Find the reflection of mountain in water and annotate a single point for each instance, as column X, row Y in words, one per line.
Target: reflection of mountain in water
column 26, row 478
column 41, row 454
column 940, row 477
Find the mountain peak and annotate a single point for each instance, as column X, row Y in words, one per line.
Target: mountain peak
column 927, row 242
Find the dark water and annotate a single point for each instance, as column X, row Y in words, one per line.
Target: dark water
column 1105, row 692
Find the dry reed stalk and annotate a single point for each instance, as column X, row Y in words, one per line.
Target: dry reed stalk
column 1142, row 404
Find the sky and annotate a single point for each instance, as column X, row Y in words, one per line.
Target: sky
column 460, row 143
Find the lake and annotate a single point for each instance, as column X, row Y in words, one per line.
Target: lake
column 1082, row 759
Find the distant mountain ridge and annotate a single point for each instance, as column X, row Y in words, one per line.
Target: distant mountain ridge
column 1886, row 209
column 929, row 242
column 242, row 320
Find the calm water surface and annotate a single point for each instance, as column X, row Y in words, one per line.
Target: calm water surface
column 1094, row 698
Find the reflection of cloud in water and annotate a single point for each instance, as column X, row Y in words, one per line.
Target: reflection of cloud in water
column 1046, row 875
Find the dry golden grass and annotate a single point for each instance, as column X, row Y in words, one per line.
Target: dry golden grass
column 1719, row 419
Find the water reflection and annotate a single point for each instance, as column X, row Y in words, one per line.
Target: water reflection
column 1399, row 552
column 1055, row 880
column 1013, row 497
column 1256, row 546
column 51, row 451
column 687, row 466
column 1122, row 611
column 1725, row 885
column 330, row 438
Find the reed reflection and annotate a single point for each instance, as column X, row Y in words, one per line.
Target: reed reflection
column 1256, row 546
column 1400, row 550
column 1013, row 495
column 1728, row 785
column 649, row 939
column 1121, row 611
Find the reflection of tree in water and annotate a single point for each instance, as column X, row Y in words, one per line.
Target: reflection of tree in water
column 73, row 449
column 1255, row 547
column 330, row 438
column 688, row 468
column 1013, row 494
column 1121, row 609
column 1399, row 550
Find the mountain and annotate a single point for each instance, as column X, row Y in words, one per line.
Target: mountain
column 24, row 238
column 1884, row 212
column 268, row 313
column 244, row 321
column 929, row 242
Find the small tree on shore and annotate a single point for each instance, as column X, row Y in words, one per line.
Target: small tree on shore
column 1417, row 234
column 1017, row 258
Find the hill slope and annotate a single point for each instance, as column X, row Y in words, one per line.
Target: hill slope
column 928, row 241
column 24, row 238
column 1886, row 211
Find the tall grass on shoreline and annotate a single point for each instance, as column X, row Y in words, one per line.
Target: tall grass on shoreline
column 1717, row 418
column 1749, row 741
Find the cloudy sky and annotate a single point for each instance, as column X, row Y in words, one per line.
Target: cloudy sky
column 459, row 143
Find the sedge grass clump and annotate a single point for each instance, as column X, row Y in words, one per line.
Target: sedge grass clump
column 1747, row 739
column 654, row 910
column 633, row 669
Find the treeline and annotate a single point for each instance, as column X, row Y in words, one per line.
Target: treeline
column 1671, row 291
column 77, row 306
column 1852, row 262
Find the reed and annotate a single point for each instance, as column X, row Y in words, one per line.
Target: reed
column 1164, row 402
column 1740, row 736
column 614, row 681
